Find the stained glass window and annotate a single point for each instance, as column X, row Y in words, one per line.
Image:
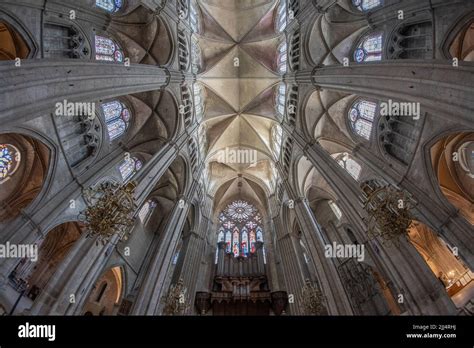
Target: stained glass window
column 240, row 227
column 240, row 210
column 146, row 211
column 366, row 5
column 282, row 16
column 202, row 133
column 216, row 259
column 259, row 234
column 235, row 242
column 349, row 164
column 110, row 5
column 129, row 167
column 220, row 237
column 251, row 225
column 107, row 50
column 194, row 17
column 277, row 138
column 336, row 210
column 245, row 242
column 176, row 257
column 228, row 224
column 222, row 217
column 305, row 255
column 10, row 159
column 280, row 100
column 253, row 240
column 196, row 56
column 198, row 101
column 361, row 117
column 228, row 247
column 369, row 48
column 282, row 57
column 117, row 117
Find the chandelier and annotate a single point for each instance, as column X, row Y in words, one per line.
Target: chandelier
column 313, row 299
column 176, row 300
column 110, row 211
column 389, row 211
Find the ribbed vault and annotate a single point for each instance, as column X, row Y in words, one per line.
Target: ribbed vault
column 239, row 77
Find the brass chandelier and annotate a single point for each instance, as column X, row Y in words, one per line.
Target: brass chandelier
column 176, row 300
column 390, row 212
column 110, row 211
column 313, row 299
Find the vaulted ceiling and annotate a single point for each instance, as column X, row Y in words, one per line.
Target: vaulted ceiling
column 239, row 74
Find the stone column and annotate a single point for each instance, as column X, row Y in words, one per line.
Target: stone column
column 221, row 255
column 152, row 291
column 70, row 285
column 190, row 266
column 328, row 276
column 294, row 273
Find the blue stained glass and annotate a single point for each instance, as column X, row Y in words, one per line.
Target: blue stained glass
column 283, row 57
column 116, row 129
column 228, row 224
column 126, row 115
column 359, row 55
column 107, row 50
column 138, row 165
column 222, row 217
column 361, row 116
column 9, row 161
column 253, row 240
column 112, row 110
column 239, row 222
column 129, row 167
column 235, row 243
column 245, row 242
column 109, row 5
column 251, row 225
column 281, row 16
column 117, row 118
column 146, row 210
column 6, row 161
column 228, row 241
column 369, row 49
column 366, row 5
column 220, row 237
column 259, row 235
column 351, row 166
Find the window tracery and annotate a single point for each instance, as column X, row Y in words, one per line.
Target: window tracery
column 369, row 48
column 10, row 158
column 361, row 117
column 240, row 228
column 107, row 50
column 110, row 6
